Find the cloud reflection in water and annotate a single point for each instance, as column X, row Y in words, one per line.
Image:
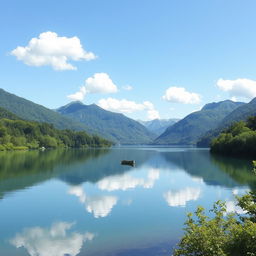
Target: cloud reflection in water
column 124, row 182
column 181, row 197
column 99, row 206
column 53, row 241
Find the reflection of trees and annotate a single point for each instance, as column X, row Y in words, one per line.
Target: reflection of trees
column 199, row 163
column 239, row 169
column 22, row 169
column 19, row 170
column 106, row 165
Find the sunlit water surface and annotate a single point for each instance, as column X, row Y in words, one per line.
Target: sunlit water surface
column 83, row 202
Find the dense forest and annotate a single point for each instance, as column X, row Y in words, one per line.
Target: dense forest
column 20, row 134
column 238, row 140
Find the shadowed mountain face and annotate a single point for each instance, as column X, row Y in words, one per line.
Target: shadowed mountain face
column 239, row 114
column 29, row 110
column 188, row 130
column 112, row 126
column 158, row 126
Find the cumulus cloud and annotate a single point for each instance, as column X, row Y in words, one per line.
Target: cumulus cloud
column 180, row 198
column 239, row 88
column 126, row 106
column 98, row 83
column 55, row 240
column 181, row 95
column 49, row 49
column 99, row 206
column 125, row 182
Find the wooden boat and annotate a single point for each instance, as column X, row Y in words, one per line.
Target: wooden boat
column 128, row 162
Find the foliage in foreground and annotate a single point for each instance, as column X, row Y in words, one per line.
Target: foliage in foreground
column 224, row 234
column 239, row 139
column 20, row 134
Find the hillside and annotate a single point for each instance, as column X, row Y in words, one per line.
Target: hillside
column 6, row 114
column 113, row 126
column 23, row 134
column 238, row 140
column 188, row 130
column 29, row 110
column 239, row 114
column 158, row 126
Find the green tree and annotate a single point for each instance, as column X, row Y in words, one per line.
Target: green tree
column 224, row 234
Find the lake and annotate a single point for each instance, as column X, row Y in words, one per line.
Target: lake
column 83, row 202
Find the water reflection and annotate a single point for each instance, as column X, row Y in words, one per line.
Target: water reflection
column 92, row 188
column 232, row 207
column 239, row 169
column 98, row 205
column 19, row 170
column 56, row 240
column 126, row 181
column 181, row 197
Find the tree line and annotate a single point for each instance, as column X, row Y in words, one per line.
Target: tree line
column 238, row 140
column 21, row 134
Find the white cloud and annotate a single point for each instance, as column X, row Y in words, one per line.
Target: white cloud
column 125, row 182
column 51, row 241
column 180, row 198
column 180, row 95
column 98, row 83
column 53, row 50
column 99, row 206
column 126, row 106
column 239, row 88
column 127, row 87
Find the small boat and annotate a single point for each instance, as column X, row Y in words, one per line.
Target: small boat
column 128, row 162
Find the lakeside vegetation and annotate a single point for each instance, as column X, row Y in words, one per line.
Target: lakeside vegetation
column 23, row 135
column 238, row 140
column 225, row 234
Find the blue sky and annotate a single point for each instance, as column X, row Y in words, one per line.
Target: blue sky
column 174, row 56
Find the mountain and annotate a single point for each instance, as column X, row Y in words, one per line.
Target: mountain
column 158, row 126
column 29, row 110
column 188, row 130
column 112, row 126
column 239, row 114
column 8, row 115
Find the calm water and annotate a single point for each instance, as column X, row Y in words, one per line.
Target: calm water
column 83, row 202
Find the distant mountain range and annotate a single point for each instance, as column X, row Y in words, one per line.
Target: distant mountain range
column 188, row 130
column 158, row 126
column 196, row 128
column 29, row 110
column 77, row 116
column 112, row 126
column 239, row 114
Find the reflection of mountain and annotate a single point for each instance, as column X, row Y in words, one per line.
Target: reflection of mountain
column 19, row 170
column 181, row 197
column 240, row 170
column 199, row 163
column 107, row 165
column 56, row 240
